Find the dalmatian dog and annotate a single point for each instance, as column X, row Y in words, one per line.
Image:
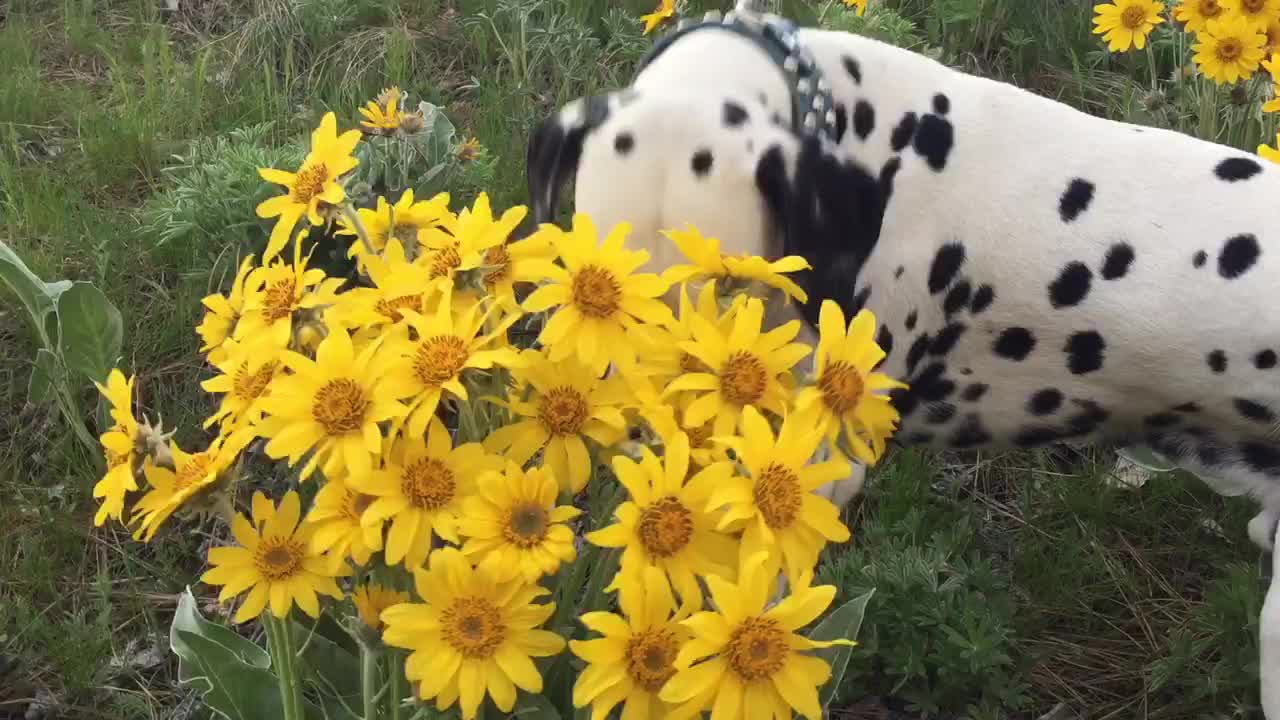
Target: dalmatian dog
column 1039, row 275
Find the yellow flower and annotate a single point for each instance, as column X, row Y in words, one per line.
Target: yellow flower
column 1272, row 31
column 468, row 150
column 568, row 404
column 461, row 242
column 274, row 293
column 667, row 420
column 119, row 446
column 775, row 500
column 1259, row 13
column 274, row 562
column 665, row 523
column 381, row 115
column 742, row 368
column 398, row 285
column 474, row 636
column 221, row 315
column 636, row 654
column 597, row 294
column 861, row 6
column 659, row 357
column 420, row 489
column 332, row 404
column 1127, row 23
column 514, row 525
column 845, row 394
column 1269, row 153
column 443, row 347
column 506, row 264
column 407, row 220
column 371, row 599
column 313, row 187
column 1229, row 49
column 192, row 476
column 665, row 9
column 1272, row 65
column 335, row 523
column 708, row 262
column 756, row 664
column 1196, row 13
column 244, row 382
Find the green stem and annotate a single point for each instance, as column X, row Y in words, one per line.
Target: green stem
column 1151, row 64
column 281, row 643
column 397, row 686
column 369, row 680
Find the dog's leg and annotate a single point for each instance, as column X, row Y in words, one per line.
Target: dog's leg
column 1269, row 640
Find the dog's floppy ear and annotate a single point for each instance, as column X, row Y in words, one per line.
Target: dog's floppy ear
column 554, row 150
column 827, row 210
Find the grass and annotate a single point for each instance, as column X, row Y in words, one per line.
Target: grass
column 128, row 136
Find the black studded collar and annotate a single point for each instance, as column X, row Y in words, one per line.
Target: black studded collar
column 812, row 105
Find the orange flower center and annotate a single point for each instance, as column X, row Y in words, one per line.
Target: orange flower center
column 1253, row 7
column 354, row 504
column 777, row 495
column 473, row 627
column 428, row 484
column 665, row 527
column 1210, row 9
column 563, row 411
column 444, row 261
column 699, row 436
column 841, row 387
column 1133, row 17
column 278, row 559
column 743, row 378
column 340, row 406
column 440, row 358
column 499, row 260
column 390, row 307
column 526, row 524
column 1229, row 49
column 310, row 182
column 651, row 657
column 691, row 364
column 248, row 386
column 757, row 649
column 596, row 292
column 192, row 472
column 278, row 300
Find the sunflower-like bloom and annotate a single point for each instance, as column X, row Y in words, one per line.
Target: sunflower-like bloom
column 473, row 636
column 407, row 221
column 420, row 490
column 382, row 115
column 1127, row 23
column 335, row 524
column 846, row 393
column 313, row 187
column 568, row 404
column 396, row 285
column 597, row 295
column 274, row 562
column 332, row 405
column 1258, row 13
column 514, row 524
column 371, row 599
column 740, row 369
column 244, row 381
column 119, row 446
column 665, row 9
column 460, row 243
column 859, row 6
column 775, row 499
column 193, row 475
column 1229, row 49
column 222, row 312
column 756, row 664
column 635, row 655
column 1195, row 14
column 275, row 292
column 665, row 522
column 731, row 271
column 659, row 357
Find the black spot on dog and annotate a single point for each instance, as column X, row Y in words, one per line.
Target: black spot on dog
column 842, row 121
column 1199, row 259
column 933, row 141
column 860, row 300
column 888, row 172
column 776, row 119
column 1084, row 351
column 1254, row 411
column 945, row 266
column 1197, row 432
column 1237, row 168
column 624, row 143
column 1260, row 456
column 897, row 273
column 1045, row 402
column 1035, row 436
column 932, row 386
column 1116, row 265
column 1162, row 420
column 1091, row 415
column 1265, row 360
column 916, row 353
column 982, row 299
column 1211, row 455
column 851, row 66
column 912, row 318
column 1014, row 343
column 864, row 119
column 884, row 338
column 1187, row 407
column 940, row 413
column 903, row 132
column 1071, row 285
column 701, row 162
column 762, row 97
column 957, row 298
column 734, row 114
column 970, row 434
column 946, row 339
column 974, row 392
column 905, row 401
column 1238, row 255
column 1075, row 199
column 1217, row 361
column 941, row 104
column 966, row 371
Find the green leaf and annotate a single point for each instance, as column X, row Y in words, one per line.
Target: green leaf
column 187, row 618
column 329, row 666
column 234, row 689
column 45, row 377
column 91, row 331
column 1146, row 458
column 36, row 295
column 798, row 12
column 534, row 707
column 843, row 623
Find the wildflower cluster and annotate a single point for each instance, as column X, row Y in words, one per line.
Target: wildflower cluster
column 442, row 457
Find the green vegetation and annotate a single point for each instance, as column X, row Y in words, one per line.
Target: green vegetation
column 129, row 140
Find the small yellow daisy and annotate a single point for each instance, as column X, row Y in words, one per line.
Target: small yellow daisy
column 514, row 524
column 1127, row 23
